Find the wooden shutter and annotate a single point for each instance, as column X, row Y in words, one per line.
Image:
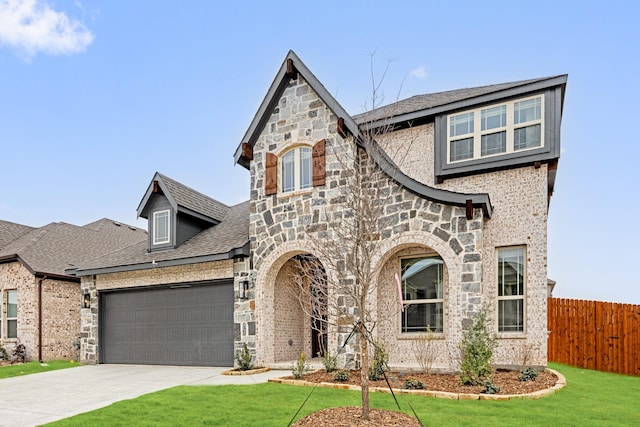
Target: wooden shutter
column 318, row 162
column 271, row 174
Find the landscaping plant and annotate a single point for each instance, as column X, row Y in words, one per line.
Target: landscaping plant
column 243, row 358
column 19, row 353
column 3, row 354
column 301, row 367
column 476, row 349
column 329, row 361
column 341, row 375
column 380, row 360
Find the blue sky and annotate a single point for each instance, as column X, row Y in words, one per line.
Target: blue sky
column 97, row 96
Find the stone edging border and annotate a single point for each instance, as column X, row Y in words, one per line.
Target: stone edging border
column 247, row 372
column 560, row 384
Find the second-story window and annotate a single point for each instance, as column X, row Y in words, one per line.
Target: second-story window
column 296, row 169
column 161, row 221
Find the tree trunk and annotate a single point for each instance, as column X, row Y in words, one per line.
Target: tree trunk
column 364, row 371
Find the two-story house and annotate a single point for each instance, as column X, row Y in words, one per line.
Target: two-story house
column 463, row 177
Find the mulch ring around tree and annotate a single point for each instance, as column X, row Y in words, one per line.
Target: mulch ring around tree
column 508, row 382
column 350, row 416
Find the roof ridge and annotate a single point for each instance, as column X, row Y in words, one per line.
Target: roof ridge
column 165, row 177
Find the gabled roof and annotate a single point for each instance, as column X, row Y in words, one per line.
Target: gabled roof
column 419, row 106
column 10, row 231
column 57, row 246
column 228, row 239
column 291, row 67
column 184, row 199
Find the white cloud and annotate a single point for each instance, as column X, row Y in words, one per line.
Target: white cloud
column 420, row 72
column 31, row 26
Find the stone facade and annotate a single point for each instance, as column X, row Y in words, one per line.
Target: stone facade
column 281, row 225
column 60, row 313
column 92, row 285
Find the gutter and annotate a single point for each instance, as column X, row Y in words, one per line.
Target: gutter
column 40, row 280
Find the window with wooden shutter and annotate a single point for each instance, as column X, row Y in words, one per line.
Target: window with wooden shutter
column 271, row 174
column 319, row 162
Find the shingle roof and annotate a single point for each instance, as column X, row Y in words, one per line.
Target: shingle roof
column 439, row 99
column 58, row 246
column 191, row 199
column 232, row 233
column 10, row 231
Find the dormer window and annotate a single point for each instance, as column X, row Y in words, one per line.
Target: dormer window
column 506, row 128
column 161, row 222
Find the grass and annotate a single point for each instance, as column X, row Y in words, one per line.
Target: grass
column 591, row 398
column 34, row 367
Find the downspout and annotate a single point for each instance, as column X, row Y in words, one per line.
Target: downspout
column 40, row 318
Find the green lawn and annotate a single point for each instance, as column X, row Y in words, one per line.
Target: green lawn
column 34, row 367
column 590, row 399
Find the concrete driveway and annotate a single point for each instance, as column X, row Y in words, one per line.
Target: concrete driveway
column 41, row 398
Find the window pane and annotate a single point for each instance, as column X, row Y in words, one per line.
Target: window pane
column 526, row 111
column 161, row 227
column 493, row 143
column 461, row 149
column 461, row 124
column 511, row 315
column 526, row 137
column 305, row 168
column 511, row 272
column 422, row 278
column 420, row 317
column 288, row 171
column 12, row 329
column 12, row 304
column 495, row 117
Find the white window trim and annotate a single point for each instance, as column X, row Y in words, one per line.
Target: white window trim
column 522, row 297
column 509, row 128
column 157, row 241
column 297, row 170
column 7, row 318
column 405, row 303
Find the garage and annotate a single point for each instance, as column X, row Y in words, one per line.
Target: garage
column 185, row 324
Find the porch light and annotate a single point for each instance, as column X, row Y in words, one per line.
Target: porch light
column 245, row 289
column 86, row 300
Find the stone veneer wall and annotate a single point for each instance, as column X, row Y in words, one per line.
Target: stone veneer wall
column 89, row 344
column 60, row 313
column 519, row 198
column 279, row 223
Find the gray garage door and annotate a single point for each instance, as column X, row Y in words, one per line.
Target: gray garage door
column 186, row 325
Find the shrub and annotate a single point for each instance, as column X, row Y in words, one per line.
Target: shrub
column 329, row 361
column 528, row 374
column 413, row 384
column 490, row 388
column 301, row 366
column 19, row 353
column 341, row 375
column 380, row 360
column 243, row 358
column 476, row 350
column 424, row 350
column 3, row 354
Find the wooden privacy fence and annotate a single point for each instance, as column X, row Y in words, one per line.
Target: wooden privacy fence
column 595, row 335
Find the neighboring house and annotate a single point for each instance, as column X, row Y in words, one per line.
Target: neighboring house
column 466, row 228
column 39, row 302
column 170, row 299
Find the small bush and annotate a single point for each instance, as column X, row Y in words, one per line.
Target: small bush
column 341, row 375
column 19, row 353
column 243, row 358
column 3, row 354
column 413, row 384
column 301, row 367
column 424, row 350
column 380, row 360
column 528, row 374
column 477, row 349
column 329, row 361
column 490, row 388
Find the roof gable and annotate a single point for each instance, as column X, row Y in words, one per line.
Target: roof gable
column 183, row 199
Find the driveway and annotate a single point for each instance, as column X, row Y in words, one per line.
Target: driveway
column 41, row 398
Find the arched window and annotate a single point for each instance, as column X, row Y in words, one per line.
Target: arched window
column 296, row 169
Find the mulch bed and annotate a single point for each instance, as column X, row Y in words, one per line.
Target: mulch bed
column 507, row 381
column 350, row 416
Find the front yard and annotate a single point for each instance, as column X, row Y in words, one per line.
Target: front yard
column 7, row 371
column 591, row 398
